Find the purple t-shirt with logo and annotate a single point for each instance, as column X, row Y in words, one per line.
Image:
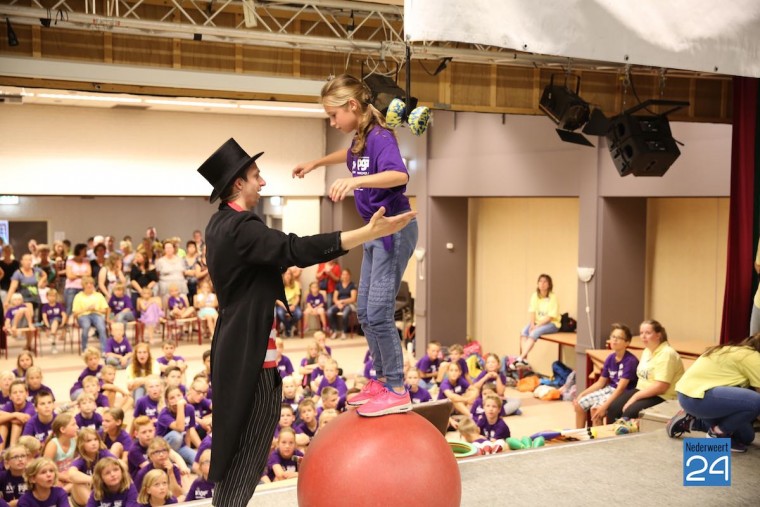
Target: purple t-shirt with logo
column 11, row 486
column 11, row 312
column 53, row 312
column 205, row 444
column 122, row 348
column 136, row 456
column 427, row 365
column 381, row 153
column 34, row 392
column 81, row 465
column 126, row 498
column 37, row 428
column 167, row 417
column 162, row 360
column 284, row 366
column 123, row 438
column 289, row 464
column 28, row 408
column 146, row 406
column 315, row 301
column 202, row 409
column 478, row 412
column 338, row 384
column 94, row 422
column 119, row 304
column 625, row 368
column 493, row 431
column 200, row 489
column 177, row 302
column 459, row 387
column 421, row 396
column 58, row 498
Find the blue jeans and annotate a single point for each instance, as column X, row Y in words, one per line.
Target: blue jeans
column 97, row 320
column 68, row 298
column 332, row 317
column 537, row 332
column 732, row 409
column 124, row 316
column 376, row 305
column 284, row 317
column 176, row 441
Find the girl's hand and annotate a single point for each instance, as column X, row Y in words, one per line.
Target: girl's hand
column 342, row 187
column 303, row 169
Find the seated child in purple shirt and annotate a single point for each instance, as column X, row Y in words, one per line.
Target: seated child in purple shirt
column 429, row 365
column 40, row 491
column 87, row 417
column 91, row 357
column 116, row 395
column 284, row 366
column 331, row 379
column 115, row 437
column 330, row 400
column 54, row 317
column 471, row 433
column 456, row 352
column 510, row 406
column 34, row 383
column 284, row 461
column 168, row 359
column 492, row 374
column 113, row 486
column 12, row 483
column 287, row 420
column 122, row 310
column 319, row 371
column 202, row 487
column 145, row 433
column 91, row 450
column 118, row 350
column 148, row 404
column 197, row 399
column 156, row 489
column 618, row 376
column 40, row 426
column 417, row 393
column 289, row 390
column 91, row 386
column 159, row 459
column 492, row 426
column 179, row 306
column 456, row 389
column 315, row 305
column 15, row 413
column 19, row 319
column 309, row 424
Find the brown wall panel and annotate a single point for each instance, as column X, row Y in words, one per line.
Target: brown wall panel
column 514, row 87
column 128, row 49
column 471, row 84
column 202, row 55
column 71, row 44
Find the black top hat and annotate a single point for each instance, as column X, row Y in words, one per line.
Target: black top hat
column 226, row 164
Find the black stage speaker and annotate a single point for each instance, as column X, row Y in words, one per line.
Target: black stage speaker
column 642, row 145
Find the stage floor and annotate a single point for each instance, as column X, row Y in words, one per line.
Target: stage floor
column 637, row 469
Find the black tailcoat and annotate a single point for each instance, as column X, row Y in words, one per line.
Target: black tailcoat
column 245, row 262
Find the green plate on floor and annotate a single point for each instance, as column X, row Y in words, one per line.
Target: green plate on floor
column 463, row 449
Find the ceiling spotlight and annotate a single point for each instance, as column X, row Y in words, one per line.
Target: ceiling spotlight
column 12, row 39
column 565, row 108
column 384, row 90
column 643, row 145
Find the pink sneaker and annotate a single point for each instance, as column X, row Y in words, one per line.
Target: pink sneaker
column 385, row 403
column 369, row 391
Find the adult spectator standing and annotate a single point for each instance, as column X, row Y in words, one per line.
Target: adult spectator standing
column 76, row 268
column 328, row 274
column 9, row 265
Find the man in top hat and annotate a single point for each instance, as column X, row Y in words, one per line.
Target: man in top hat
column 245, row 261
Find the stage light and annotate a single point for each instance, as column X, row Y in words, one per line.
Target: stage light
column 643, row 145
column 12, row 39
column 565, row 108
column 384, row 90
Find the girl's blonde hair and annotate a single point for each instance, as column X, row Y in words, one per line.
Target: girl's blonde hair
column 90, row 352
column 150, row 478
column 98, row 487
column 468, row 427
column 33, row 468
column 82, row 438
column 339, row 91
column 60, row 422
column 22, row 354
column 137, row 370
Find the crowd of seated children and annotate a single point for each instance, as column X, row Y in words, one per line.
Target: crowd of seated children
column 618, row 375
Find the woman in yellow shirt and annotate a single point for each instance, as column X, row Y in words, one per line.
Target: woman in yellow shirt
column 660, row 367
column 714, row 394
column 290, row 315
column 543, row 317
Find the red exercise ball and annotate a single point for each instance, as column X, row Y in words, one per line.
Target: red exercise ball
column 399, row 459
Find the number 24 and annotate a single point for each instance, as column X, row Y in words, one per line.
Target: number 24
column 713, row 468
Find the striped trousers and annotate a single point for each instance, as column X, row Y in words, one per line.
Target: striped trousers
column 248, row 464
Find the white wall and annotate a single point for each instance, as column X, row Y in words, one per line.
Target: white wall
column 57, row 150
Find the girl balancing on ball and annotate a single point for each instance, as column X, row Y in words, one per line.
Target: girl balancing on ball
column 378, row 178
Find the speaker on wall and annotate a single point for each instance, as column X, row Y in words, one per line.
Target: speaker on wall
column 641, row 145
